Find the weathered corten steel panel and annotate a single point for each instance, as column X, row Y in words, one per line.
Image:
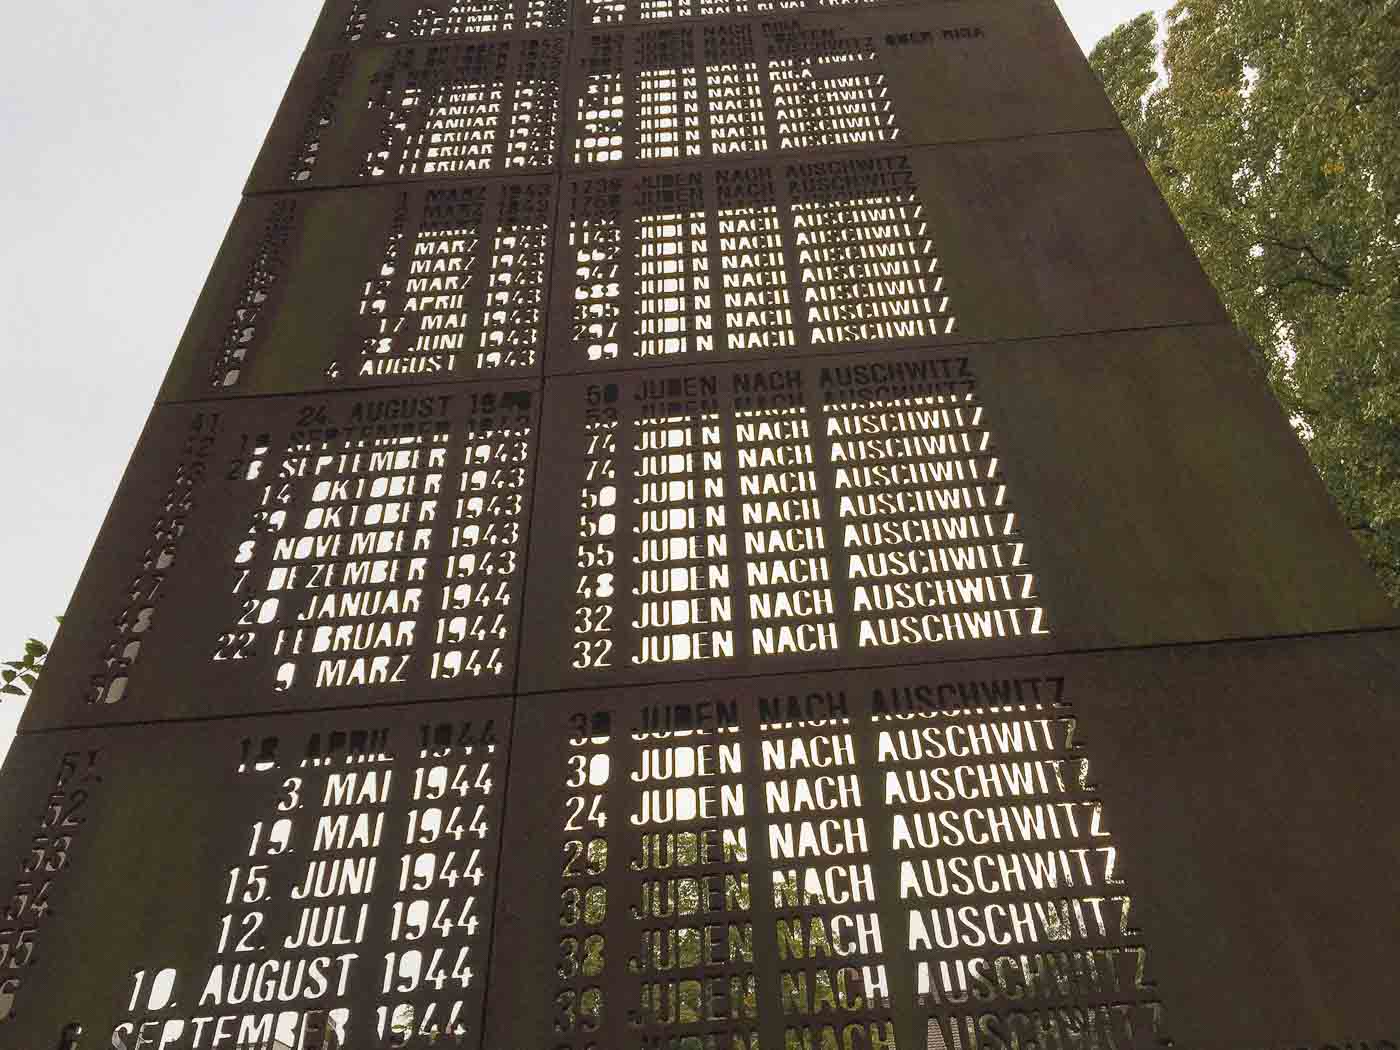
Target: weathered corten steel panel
column 591, row 15
column 277, row 553
column 894, row 461
column 382, row 286
column 862, row 510
column 398, row 285
column 1104, row 850
column 348, row 23
column 468, row 108
column 733, row 520
column 221, row 883
column 773, row 82
column 835, row 252
column 787, row 81
column 1071, row 841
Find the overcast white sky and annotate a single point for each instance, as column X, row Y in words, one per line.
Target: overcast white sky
column 126, row 131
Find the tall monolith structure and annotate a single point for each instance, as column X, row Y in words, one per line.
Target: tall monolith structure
column 708, row 525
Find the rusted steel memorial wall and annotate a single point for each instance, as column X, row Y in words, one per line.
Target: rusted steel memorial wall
column 708, row 525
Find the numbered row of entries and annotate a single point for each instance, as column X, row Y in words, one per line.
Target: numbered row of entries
column 397, row 286
column 664, row 525
column 908, row 858
column 421, row 104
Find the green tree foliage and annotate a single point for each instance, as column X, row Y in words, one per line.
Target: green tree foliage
column 1275, row 138
column 18, row 677
column 1124, row 62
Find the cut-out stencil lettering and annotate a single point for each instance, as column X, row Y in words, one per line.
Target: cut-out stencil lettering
column 851, row 510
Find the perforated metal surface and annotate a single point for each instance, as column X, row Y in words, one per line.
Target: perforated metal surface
column 379, row 287
column 875, row 509
column 771, row 863
column 699, row 521
column 415, row 284
column 460, row 103
column 417, row 111
column 226, row 883
column 346, row 23
column 781, row 516
column 787, row 81
column 305, row 552
column 890, row 453
column 1081, row 859
column 590, row 14
column 930, row 247
column 1053, row 848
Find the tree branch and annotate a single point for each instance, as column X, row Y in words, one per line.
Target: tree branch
column 1303, row 248
column 1335, row 289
